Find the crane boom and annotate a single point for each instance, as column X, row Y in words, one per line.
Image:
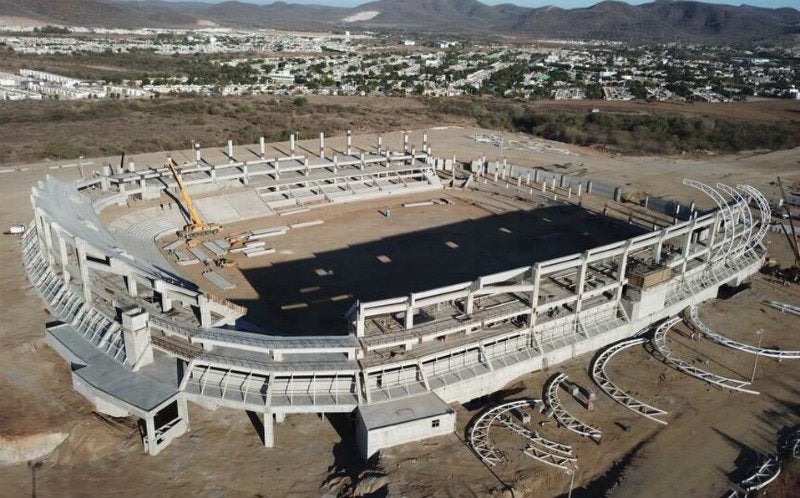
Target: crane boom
column 197, row 227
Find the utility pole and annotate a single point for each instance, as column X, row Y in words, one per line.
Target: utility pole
column 760, row 334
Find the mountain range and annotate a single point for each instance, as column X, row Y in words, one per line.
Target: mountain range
column 658, row 21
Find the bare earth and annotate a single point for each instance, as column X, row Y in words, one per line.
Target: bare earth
column 712, row 435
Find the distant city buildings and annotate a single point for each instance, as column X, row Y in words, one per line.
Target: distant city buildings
column 281, row 63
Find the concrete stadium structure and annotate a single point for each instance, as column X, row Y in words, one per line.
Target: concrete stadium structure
column 143, row 341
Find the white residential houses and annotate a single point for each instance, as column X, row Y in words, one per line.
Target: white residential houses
column 36, row 85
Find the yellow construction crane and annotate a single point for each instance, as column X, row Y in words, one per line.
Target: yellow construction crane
column 196, row 227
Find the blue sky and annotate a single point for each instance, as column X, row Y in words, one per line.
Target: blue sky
column 539, row 3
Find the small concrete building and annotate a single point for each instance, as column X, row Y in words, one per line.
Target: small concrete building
column 401, row 421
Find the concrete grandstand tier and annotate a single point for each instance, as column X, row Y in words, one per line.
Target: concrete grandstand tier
column 138, row 325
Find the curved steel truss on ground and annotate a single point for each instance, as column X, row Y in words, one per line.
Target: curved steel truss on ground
column 562, row 415
column 747, row 348
column 540, row 448
column 726, row 247
column 613, row 391
column 784, row 308
column 790, row 446
column 659, row 341
column 767, row 472
column 543, row 450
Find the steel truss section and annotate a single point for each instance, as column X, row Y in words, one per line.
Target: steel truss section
column 659, row 341
column 727, row 216
column 747, row 220
column 763, row 206
column 601, row 378
column 785, row 308
column 791, row 445
column 562, row 415
column 747, row 348
column 548, row 451
column 768, row 471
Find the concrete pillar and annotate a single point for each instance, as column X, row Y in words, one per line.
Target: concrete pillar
column 405, row 142
column 360, row 326
column 307, row 169
column 245, row 175
column 278, row 168
column 150, row 433
column 623, row 267
column 291, row 143
column 262, row 147
column 136, row 334
column 380, row 144
column 269, row 430
column 349, row 142
column 166, row 302
column 322, row 145
column 83, row 267
column 536, row 280
column 205, row 311
column 581, row 282
column 143, row 188
column 280, row 417
column 580, row 189
column 687, row 245
column 659, row 247
column 589, row 187
column 131, row 167
column 230, row 151
column 62, row 252
column 48, row 242
column 362, row 164
column 131, row 285
column 197, row 156
column 409, row 318
column 424, row 142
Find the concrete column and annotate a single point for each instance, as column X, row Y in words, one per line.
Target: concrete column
column 362, row 164
column 349, row 142
column 322, row 145
column 687, row 245
column 380, row 144
column 580, row 284
column 659, row 247
column 245, row 175
column 136, row 334
column 83, row 267
column 48, row 242
column 335, row 164
column 536, row 280
column 131, row 285
column 150, row 432
column 405, row 142
column 62, row 252
column 291, row 143
column 280, row 417
column 360, row 326
column 424, row 142
column 262, row 146
column 230, row 151
column 166, row 302
column 712, row 236
column 205, row 311
column 197, row 156
column 269, row 430
column 131, row 167
column 623, row 268
column 278, row 168
column 589, row 187
column 307, row 169
column 143, row 187
column 409, row 318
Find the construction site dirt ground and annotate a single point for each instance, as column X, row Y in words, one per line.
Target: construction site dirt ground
column 712, row 436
